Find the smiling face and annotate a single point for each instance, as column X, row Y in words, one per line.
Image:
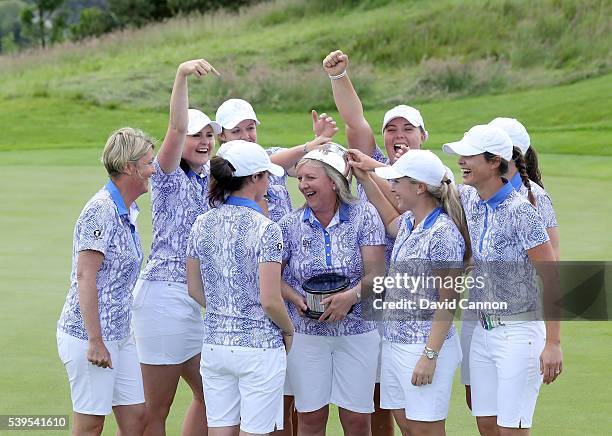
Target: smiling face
column 199, row 148
column 143, row 169
column 316, row 187
column 245, row 130
column 405, row 192
column 399, row 131
column 477, row 171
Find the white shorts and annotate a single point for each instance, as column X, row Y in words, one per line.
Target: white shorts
column 505, row 372
column 469, row 319
column 95, row 390
column 334, row 369
column 167, row 323
column 421, row 403
column 244, row 385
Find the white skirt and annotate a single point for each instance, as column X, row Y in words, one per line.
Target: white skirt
column 167, row 323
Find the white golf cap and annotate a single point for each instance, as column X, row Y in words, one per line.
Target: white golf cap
column 515, row 130
column 482, row 138
column 198, row 120
column 248, row 158
column 331, row 154
column 421, row 165
column 412, row 115
column 234, row 111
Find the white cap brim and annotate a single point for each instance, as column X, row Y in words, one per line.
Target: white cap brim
column 388, row 173
column 215, row 126
column 461, row 148
column 276, row 170
column 233, row 123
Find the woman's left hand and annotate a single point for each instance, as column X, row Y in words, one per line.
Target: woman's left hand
column 551, row 362
column 323, row 125
column 423, row 371
column 337, row 306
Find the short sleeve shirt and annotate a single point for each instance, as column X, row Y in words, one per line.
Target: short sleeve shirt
column 311, row 250
column 107, row 226
column 378, row 156
column 230, row 241
column 177, row 199
column 502, row 229
column 434, row 242
column 543, row 202
column 278, row 198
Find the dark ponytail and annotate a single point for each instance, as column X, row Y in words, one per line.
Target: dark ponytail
column 222, row 181
column 521, row 167
column 533, row 168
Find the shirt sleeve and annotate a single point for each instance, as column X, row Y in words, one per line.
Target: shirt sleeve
column 192, row 241
column 285, row 226
column 96, row 227
column 271, row 249
column 372, row 230
column 546, row 210
column 530, row 227
column 379, row 156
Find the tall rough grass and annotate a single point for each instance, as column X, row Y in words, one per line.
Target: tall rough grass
column 271, row 53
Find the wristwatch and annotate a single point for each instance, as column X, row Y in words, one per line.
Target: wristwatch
column 430, row 353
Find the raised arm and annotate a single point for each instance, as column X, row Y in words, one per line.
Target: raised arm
column 358, row 131
column 169, row 155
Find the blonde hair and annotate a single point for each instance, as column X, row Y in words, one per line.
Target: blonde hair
column 343, row 189
column 448, row 196
column 123, row 146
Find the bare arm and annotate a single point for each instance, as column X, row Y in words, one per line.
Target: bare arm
column 358, row 131
column 271, row 298
column 291, row 295
column 551, row 359
column 553, row 234
column 289, row 157
column 195, row 285
column 169, row 155
column 88, row 265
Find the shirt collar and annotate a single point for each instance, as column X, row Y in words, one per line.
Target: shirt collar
column 430, row 219
column 130, row 214
column 342, row 214
column 516, row 181
column 241, row 201
column 116, row 196
column 503, row 193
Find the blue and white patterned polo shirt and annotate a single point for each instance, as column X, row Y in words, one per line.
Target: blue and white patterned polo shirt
column 543, row 202
column 378, row 156
column 435, row 242
column 278, row 198
column 107, row 226
column 230, row 242
column 311, row 250
column 502, row 229
column 177, row 199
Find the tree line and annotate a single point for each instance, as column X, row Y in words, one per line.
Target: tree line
column 41, row 23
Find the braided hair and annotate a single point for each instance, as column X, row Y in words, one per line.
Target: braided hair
column 533, row 169
column 521, row 167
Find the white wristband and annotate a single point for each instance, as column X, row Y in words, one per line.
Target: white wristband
column 339, row 76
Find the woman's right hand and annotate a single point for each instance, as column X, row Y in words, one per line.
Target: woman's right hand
column 288, row 341
column 196, row 67
column 335, row 63
column 98, row 354
column 299, row 302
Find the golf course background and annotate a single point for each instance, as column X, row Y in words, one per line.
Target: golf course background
column 58, row 107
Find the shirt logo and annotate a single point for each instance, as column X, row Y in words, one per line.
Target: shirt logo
column 306, row 242
column 97, row 234
column 279, row 246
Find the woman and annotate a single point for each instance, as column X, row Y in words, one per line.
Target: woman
column 167, row 323
column 521, row 175
column 334, row 357
column 93, row 333
column 421, row 349
column 509, row 242
column 403, row 129
column 239, row 122
column 403, row 126
column 233, row 269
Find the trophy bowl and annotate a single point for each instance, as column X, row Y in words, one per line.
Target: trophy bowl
column 319, row 287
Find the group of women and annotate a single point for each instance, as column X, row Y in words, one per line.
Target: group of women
column 226, row 237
